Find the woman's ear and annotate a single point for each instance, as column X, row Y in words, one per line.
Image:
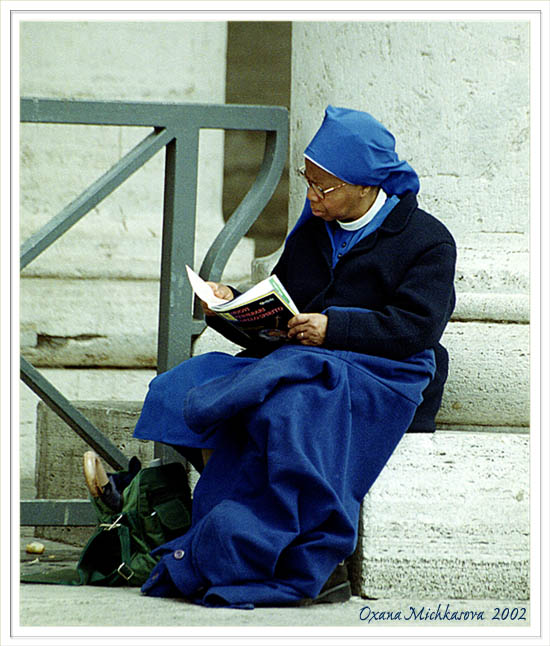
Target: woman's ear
column 369, row 190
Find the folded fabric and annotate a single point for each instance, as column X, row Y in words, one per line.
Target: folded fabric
column 300, row 437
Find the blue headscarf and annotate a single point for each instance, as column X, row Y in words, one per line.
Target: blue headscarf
column 355, row 147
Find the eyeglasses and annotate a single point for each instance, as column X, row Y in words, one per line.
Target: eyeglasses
column 319, row 192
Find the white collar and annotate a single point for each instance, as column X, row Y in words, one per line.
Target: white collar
column 355, row 225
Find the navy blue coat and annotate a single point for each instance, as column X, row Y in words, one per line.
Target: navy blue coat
column 390, row 296
column 302, row 433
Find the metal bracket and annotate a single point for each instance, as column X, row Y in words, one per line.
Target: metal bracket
column 176, row 127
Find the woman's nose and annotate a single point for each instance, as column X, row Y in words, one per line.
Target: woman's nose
column 312, row 195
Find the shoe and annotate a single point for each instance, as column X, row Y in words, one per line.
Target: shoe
column 337, row 589
column 99, row 484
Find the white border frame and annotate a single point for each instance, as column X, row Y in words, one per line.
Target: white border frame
column 540, row 323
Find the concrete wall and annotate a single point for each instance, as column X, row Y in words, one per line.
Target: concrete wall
column 456, row 97
column 258, row 73
column 91, row 299
column 114, row 61
column 449, row 515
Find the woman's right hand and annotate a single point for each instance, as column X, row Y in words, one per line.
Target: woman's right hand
column 221, row 291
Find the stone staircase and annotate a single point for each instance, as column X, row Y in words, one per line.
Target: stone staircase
column 449, row 515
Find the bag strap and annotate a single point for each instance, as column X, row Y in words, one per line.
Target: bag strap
column 124, row 569
column 87, row 565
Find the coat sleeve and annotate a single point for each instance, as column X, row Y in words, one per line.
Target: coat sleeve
column 280, row 266
column 413, row 319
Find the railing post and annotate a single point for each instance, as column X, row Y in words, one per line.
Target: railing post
column 177, row 127
column 178, row 245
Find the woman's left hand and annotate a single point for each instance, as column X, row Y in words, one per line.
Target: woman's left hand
column 308, row 329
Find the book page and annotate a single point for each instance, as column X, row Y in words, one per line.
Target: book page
column 202, row 290
column 262, row 289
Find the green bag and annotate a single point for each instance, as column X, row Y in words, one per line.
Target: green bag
column 156, row 509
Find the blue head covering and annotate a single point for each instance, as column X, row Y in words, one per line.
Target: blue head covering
column 355, row 147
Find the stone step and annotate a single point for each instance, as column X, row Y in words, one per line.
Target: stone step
column 447, row 518
column 65, row 325
column 488, row 263
column 488, row 383
column 112, row 317
column 78, row 318
column 75, row 384
column 59, row 452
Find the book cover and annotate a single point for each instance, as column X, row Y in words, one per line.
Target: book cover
column 262, row 312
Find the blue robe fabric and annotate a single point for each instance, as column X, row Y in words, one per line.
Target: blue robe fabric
column 300, row 436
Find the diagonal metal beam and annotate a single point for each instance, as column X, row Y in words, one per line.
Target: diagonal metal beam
column 95, row 193
column 251, row 206
column 176, row 127
column 72, row 416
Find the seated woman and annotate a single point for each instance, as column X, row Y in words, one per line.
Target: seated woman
column 298, row 434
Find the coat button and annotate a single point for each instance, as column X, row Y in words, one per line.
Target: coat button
column 179, row 554
column 339, row 255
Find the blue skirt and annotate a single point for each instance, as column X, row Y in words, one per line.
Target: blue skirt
column 300, row 437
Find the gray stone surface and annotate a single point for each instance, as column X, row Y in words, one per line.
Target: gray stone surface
column 90, row 323
column 65, row 607
column 120, row 238
column 492, row 262
column 489, row 375
column 59, row 455
column 79, row 607
column 449, row 516
column 488, row 382
column 101, row 384
column 437, row 86
column 492, row 307
column 211, row 341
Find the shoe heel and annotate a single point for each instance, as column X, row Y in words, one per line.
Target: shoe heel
column 337, row 594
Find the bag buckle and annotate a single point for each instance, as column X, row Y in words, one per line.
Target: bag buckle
column 127, row 568
column 109, row 526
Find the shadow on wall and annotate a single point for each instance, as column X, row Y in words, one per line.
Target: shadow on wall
column 258, row 73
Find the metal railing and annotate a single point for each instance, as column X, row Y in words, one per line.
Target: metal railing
column 175, row 127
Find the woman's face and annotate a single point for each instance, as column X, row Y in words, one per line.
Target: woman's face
column 346, row 203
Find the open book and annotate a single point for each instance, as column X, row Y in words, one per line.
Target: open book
column 262, row 312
